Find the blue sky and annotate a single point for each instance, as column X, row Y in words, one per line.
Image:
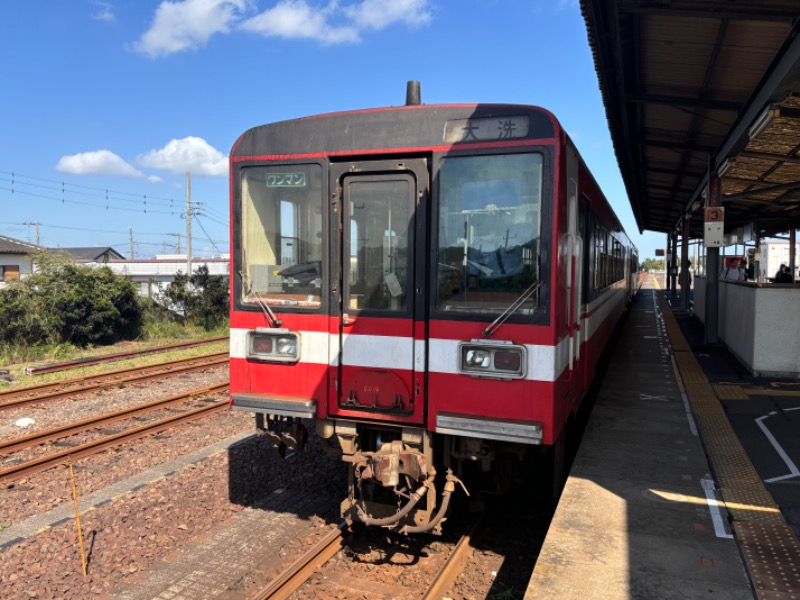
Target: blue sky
column 107, row 104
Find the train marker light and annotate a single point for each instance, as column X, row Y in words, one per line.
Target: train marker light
column 496, row 359
column 508, row 361
column 262, row 345
column 274, row 345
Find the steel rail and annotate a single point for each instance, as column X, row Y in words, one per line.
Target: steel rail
column 91, row 382
column 45, row 462
column 299, row 572
column 91, row 360
column 78, row 426
column 452, row 567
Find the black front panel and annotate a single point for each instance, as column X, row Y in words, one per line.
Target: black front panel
column 405, row 127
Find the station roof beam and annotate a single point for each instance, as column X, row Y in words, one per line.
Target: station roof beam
column 695, row 87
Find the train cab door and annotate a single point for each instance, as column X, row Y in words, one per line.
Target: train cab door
column 574, row 298
column 380, row 337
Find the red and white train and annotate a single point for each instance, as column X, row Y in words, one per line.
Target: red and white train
column 432, row 285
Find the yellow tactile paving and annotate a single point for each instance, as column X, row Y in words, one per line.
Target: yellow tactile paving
column 769, row 546
column 730, row 392
column 726, row 391
column 789, row 393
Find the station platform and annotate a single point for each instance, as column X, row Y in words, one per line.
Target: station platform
column 678, row 490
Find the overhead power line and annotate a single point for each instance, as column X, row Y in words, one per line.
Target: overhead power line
column 106, row 206
column 64, row 187
column 70, row 193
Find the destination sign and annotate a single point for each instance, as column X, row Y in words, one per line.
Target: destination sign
column 286, row 180
column 485, row 129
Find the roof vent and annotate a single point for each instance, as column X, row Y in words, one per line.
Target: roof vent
column 412, row 93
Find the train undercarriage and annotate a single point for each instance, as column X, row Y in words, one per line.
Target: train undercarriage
column 404, row 478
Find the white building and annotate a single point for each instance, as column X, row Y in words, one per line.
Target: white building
column 153, row 275
column 149, row 275
column 773, row 255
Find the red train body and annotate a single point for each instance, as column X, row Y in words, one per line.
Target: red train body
column 433, row 285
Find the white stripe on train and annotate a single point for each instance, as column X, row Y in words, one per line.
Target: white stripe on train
column 545, row 363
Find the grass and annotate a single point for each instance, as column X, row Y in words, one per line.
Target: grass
column 10, row 355
column 17, row 358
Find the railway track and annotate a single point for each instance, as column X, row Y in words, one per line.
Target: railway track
column 85, row 361
column 296, row 574
column 42, row 463
column 17, row 397
column 451, row 569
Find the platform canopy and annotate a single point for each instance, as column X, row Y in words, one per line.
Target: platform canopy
column 693, row 87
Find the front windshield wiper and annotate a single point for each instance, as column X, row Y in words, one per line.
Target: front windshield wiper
column 251, row 296
column 523, row 297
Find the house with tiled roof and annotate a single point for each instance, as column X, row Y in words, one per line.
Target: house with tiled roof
column 16, row 258
column 101, row 254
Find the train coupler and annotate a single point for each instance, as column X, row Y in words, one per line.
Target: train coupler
column 405, row 475
column 393, row 460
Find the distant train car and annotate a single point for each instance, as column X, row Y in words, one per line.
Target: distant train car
column 433, row 285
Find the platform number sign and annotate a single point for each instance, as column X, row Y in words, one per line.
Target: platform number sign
column 714, row 227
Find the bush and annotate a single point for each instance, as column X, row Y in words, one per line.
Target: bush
column 24, row 321
column 67, row 303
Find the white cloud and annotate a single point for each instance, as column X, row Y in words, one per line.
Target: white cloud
column 99, row 162
column 188, row 25
column 296, row 19
column 191, row 154
column 104, row 12
column 379, row 14
column 154, row 179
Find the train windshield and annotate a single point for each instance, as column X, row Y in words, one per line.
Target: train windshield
column 489, row 232
column 282, row 235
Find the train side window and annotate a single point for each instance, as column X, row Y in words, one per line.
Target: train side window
column 290, row 235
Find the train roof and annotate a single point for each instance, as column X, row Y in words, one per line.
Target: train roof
column 418, row 126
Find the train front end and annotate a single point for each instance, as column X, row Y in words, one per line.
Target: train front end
column 392, row 283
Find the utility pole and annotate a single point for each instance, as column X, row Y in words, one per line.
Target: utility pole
column 177, row 245
column 36, row 223
column 188, row 224
column 130, row 234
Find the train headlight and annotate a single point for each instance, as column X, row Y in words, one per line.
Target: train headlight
column 287, row 346
column 478, row 358
column 490, row 358
column 279, row 345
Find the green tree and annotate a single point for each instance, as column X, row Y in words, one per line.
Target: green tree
column 201, row 298
column 653, row 264
column 210, row 306
column 178, row 296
